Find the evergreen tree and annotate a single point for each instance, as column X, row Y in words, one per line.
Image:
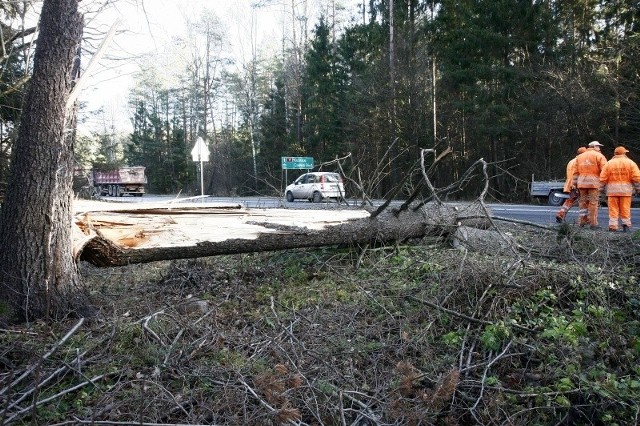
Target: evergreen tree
column 362, row 53
column 14, row 74
column 277, row 139
column 487, row 52
column 323, row 84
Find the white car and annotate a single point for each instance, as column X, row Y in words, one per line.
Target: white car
column 315, row 187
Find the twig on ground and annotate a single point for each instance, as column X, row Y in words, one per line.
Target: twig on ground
column 486, row 370
column 466, row 317
column 145, row 326
column 19, row 414
column 39, row 385
column 55, row 347
column 114, row 423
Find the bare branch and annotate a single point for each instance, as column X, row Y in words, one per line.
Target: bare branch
column 55, row 347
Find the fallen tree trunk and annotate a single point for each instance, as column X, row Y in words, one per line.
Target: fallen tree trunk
column 117, row 238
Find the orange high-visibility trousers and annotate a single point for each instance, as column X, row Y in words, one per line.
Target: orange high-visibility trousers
column 568, row 203
column 619, row 208
column 588, row 203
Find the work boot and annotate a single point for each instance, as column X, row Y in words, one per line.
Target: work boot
column 625, row 228
column 612, row 229
column 559, row 219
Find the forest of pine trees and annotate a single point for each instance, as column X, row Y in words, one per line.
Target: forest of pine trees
column 521, row 84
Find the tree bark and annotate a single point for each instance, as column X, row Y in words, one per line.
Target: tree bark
column 38, row 274
column 118, row 238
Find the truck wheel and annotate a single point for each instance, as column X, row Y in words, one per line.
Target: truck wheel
column 554, row 200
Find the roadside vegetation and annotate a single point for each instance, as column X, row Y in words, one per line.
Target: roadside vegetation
column 535, row 327
column 545, row 331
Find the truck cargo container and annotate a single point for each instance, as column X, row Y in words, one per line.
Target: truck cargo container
column 119, row 182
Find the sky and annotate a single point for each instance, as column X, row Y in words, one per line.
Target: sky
column 147, row 26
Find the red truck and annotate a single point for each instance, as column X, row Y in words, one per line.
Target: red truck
column 119, row 182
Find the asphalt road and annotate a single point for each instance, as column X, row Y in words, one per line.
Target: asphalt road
column 546, row 215
column 542, row 215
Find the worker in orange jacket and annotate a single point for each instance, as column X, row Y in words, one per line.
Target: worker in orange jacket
column 619, row 177
column 568, row 187
column 586, row 177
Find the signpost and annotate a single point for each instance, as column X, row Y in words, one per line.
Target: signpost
column 200, row 153
column 289, row 163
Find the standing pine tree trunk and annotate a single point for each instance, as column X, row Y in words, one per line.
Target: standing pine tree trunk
column 38, row 276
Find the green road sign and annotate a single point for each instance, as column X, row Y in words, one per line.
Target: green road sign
column 289, row 163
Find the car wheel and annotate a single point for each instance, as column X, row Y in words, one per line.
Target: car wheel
column 317, row 197
column 554, row 200
column 289, row 197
